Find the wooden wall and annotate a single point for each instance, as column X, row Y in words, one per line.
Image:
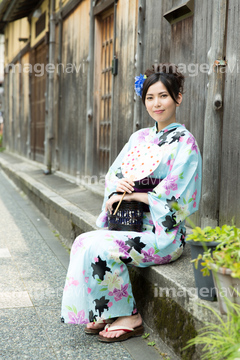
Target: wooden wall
column 72, row 110
column 24, row 110
column 230, row 156
column 123, row 90
column 181, row 43
column 16, row 111
column 185, row 43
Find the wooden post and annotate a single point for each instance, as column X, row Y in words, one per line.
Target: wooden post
column 59, row 86
column 213, row 118
column 113, row 134
column 29, row 102
column 137, row 120
column 50, row 131
column 89, row 120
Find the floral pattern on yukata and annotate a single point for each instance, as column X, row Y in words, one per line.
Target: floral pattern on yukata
column 98, row 284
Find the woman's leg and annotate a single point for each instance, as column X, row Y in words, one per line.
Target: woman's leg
column 98, row 284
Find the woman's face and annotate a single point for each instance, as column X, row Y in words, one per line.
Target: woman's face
column 160, row 105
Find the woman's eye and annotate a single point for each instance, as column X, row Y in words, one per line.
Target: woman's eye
column 149, row 98
column 164, row 95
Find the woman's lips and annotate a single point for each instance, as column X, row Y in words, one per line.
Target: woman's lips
column 159, row 111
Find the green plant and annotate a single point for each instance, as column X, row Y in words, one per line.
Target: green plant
column 221, row 340
column 226, row 253
column 209, row 234
column 235, row 355
column 152, row 343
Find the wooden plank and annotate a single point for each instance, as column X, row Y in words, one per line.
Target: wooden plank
column 213, row 121
column 137, row 121
column 72, row 112
column 24, row 51
column 230, row 154
column 124, row 88
column 102, row 6
column 157, row 40
column 185, row 43
column 69, row 7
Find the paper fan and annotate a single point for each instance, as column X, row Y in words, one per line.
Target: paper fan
column 139, row 162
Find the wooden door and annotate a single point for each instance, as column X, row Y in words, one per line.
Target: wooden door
column 38, row 85
column 103, row 84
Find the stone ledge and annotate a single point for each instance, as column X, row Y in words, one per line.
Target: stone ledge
column 167, row 294
column 66, row 217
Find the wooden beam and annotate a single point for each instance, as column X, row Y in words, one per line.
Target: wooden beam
column 213, row 118
column 102, row 6
column 11, row 6
column 69, row 7
column 49, row 125
column 89, row 119
column 179, row 13
column 20, row 54
column 114, row 80
column 137, row 117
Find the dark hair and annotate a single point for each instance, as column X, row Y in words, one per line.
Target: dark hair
column 169, row 75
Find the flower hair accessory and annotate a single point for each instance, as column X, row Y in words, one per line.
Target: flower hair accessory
column 139, row 80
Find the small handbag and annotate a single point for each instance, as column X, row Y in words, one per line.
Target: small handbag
column 129, row 216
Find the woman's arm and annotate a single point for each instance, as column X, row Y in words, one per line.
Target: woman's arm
column 137, row 196
column 143, row 197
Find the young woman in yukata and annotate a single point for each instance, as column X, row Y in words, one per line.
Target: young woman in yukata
column 98, row 289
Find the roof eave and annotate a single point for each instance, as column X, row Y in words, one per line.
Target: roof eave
column 11, row 10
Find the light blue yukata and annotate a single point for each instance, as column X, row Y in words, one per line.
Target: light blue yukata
column 97, row 283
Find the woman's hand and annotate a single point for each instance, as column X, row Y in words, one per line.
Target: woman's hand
column 111, row 201
column 125, row 184
column 142, row 197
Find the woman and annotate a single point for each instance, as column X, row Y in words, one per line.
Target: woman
column 98, row 290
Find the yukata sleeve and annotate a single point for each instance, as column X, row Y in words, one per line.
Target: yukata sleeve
column 182, row 185
column 111, row 179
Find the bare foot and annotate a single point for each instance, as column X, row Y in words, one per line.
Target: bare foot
column 132, row 321
column 95, row 325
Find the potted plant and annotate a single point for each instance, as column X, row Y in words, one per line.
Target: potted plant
column 220, row 340
column 202, row 240
column 224, row 262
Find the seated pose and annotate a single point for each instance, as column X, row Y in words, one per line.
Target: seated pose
column 98, row 290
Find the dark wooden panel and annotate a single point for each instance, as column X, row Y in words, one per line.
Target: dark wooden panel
column 102, row 6
column 230, row 166
column 72, row 110
column 39, row 56
column 105, row 56
column 24, row 108
column 157, row 40
column 124, row 82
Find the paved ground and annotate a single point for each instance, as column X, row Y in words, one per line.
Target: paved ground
column 33, row 267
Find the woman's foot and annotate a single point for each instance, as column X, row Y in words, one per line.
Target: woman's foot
column 95, row 325
column 93, row 328
column 133, row 321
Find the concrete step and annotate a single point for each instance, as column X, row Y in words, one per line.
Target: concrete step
column 165, row 294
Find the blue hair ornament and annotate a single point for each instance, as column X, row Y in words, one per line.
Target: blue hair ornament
column 139, row 80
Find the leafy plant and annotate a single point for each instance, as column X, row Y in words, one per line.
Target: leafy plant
column 221, row 340
column 209, row 234
column 226, row 253
column 152, row 343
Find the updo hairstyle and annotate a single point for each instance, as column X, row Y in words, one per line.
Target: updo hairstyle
column 169, row 76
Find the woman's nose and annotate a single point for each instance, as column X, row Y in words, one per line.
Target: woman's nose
column 156, row 102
